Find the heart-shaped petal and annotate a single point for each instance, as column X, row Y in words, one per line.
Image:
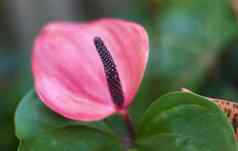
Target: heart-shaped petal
column 81, row 81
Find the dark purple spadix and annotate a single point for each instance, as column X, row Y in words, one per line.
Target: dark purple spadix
column 111, row 73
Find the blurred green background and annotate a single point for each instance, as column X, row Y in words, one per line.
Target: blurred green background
column 193, row 44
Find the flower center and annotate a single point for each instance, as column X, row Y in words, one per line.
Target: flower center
column 111, row 73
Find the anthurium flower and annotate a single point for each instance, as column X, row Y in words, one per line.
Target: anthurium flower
column 88, row 71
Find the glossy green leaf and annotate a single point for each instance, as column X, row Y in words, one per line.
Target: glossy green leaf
column 40, row 129
column 185, row 122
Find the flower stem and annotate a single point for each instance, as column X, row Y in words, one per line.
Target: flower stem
column 129, row 140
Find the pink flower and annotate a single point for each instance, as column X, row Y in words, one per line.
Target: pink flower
column 88, row 71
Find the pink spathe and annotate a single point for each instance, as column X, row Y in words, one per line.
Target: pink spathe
column 68, row 73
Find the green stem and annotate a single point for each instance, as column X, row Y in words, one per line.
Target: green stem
column 129, row 140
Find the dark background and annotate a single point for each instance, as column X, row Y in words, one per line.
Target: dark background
column 193, row 44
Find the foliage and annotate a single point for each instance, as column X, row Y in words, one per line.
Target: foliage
column 176, row 121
